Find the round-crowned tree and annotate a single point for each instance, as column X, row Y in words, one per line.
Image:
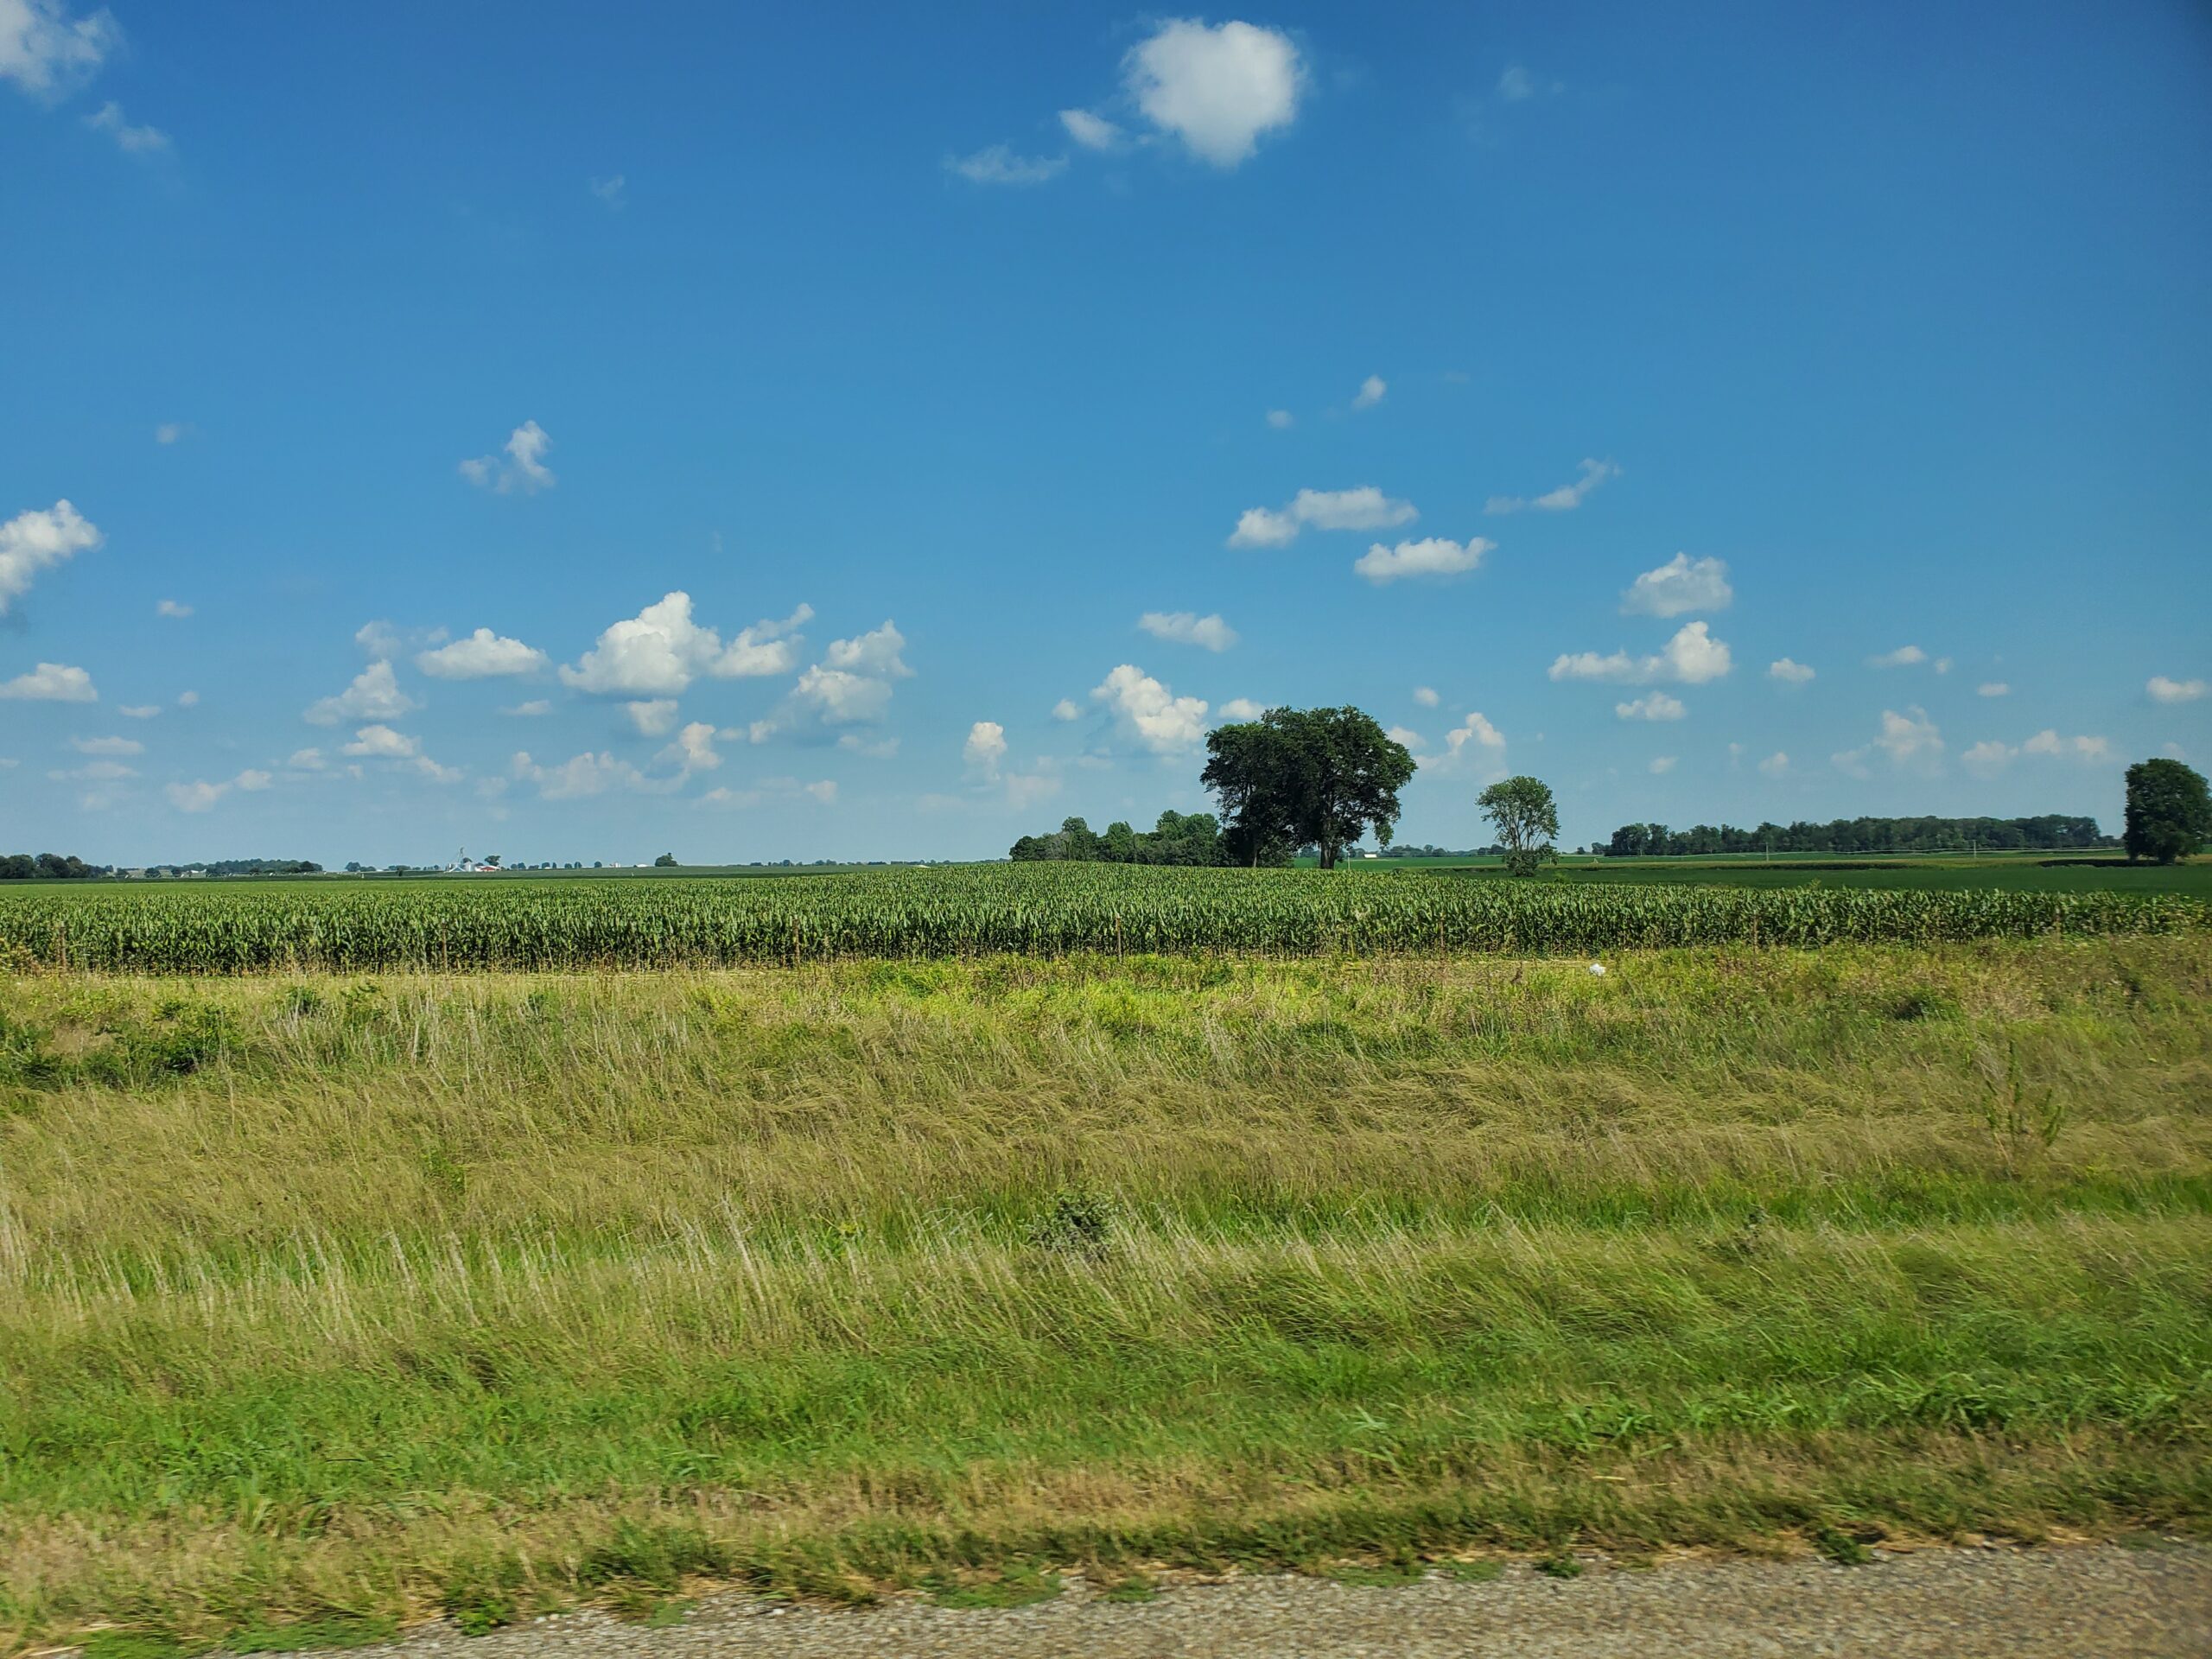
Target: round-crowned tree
column 2169, row 811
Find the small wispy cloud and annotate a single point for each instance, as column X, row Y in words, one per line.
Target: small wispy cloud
column 1565, row 498
column 523, row 471
column 1517, row 85
column 1092, row 131
column 1902, row 657
column 999, row 164
column 1188, row 628
column 131, row 140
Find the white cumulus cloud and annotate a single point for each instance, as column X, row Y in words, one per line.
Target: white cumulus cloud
column 1425, row 696
column 1987, row 759
column 107, row 746
column 984, row 750
column 374, row 694
column 1775, row 765
column 1789, row 672
column 694, row 748
column 1992, row 689
column 653, row 717
column 523, row 471
column 1681, row 585
column 1655, row 706
column 1565, row 498
column 1188, row 628
column 1362, row 508
column 36, row 540
column 659, row 651
column 851, row 685
column 482, row 655
column 1434, row 555
column 48, row 53
column 175, row 608
column 1242, row 708
column 1902, row 657
column 1372, row 391
column 1693, row 656
column 1662, row 764
column 1477, row 730
column 1281, row 419
column 381, row 743
column 1148, row 710
column 2048, row 742
column 580, row 776
column 200, row 795
column 51, row 682
column 1066, row 709
column 2163, row 690
column 1910, row 739
column 1215, row 88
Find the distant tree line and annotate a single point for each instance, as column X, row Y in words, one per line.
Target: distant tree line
column 1185, row 838
column 243, row 867
column 45, row 866
column 2053, row 832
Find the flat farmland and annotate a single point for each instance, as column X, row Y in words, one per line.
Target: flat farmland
column 334, row 1299
column 1041, row 909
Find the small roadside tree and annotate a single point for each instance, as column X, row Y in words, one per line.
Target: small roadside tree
column 2169, row 811
column 665, row 861
column 1527, row 819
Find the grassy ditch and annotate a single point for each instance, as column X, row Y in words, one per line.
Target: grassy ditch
column 333, row 1302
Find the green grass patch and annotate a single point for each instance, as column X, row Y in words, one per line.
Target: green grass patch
column 1018, row 1585
column 480, row 1295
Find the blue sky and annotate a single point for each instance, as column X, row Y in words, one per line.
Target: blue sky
column 505, row 427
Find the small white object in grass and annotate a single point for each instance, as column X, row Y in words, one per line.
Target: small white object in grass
column 1598, row 968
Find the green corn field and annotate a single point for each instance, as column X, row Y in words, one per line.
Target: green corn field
column 517, row 924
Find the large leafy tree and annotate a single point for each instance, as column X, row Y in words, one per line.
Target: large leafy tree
column 1306, row 776
column 1526, row 820
column 2168, row 811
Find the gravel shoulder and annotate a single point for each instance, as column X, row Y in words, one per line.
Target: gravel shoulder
column 2104, row 1600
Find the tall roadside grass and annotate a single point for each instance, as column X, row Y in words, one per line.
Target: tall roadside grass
column 328, row 1297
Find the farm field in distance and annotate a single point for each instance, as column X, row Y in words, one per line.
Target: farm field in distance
column 331, row 1300
column 2015, row 871
column 1034, row 909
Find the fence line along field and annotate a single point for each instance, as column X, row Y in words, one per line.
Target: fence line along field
column 1041, row 910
